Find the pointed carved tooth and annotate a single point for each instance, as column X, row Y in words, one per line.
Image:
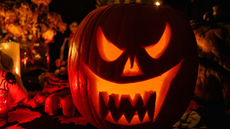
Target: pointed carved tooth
column 118, row 101
column 140, row 108
column 142, row 95
column 126, row 107
column 146, row 97
column 146, row 118
column 151, row 105
column 102, row 104
column 116, row 114
column 135, row 99
column 123, row 120
column 110, row 118
column 105, row 98
column 132, row 97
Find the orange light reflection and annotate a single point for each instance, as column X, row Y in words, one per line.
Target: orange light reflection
column 107, row 50
column 159, row 84
column 156, row 50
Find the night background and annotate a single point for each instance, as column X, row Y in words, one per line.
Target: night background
column 76, row 10
column 70, row 10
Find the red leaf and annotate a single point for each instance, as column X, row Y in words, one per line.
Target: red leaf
column 14, row 127
column 79, row 120
column 2, row 122
column 22, row 115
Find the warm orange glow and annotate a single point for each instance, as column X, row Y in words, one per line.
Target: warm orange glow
column 12, row 50
column 17, row 70
column 107, row 50
column 14, row 29
column 132, row 70
column 123, row 121
column 159, row 84
column 156, row 50
column 157, row 3
column 49, row 35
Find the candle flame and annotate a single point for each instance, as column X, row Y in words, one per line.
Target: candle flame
column 157, row 3
column 16, row 70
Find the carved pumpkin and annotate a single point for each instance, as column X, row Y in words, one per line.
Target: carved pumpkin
column 133, row 66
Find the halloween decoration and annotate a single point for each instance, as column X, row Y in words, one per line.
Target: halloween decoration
column 3, row 106
column 6, row 62
column 214, row 69
column 38, row 100
column 133, row 66
column 11, row 49
column 65, row 47
column 60, row 100
column 29, row 22
column 32, row 26
column 16, row 91
column 51, row 83
column 23, row 115
column 77, row 120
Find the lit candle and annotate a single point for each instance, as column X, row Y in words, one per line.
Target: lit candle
column 157, row 3
column 12, row 49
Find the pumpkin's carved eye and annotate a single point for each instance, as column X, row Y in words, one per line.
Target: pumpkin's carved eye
column 107, row 50
column 156, row 50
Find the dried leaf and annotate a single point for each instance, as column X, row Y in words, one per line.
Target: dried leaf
column 14, row 127
column 79, row 120
column 22, row 115
column 2, row 122
column 189, row 120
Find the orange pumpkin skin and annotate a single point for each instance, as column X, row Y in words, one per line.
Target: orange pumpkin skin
column 115, row 46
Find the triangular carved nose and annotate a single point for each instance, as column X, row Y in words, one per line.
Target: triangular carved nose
column 131, row 70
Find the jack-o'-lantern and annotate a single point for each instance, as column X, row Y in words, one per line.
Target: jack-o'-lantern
column 133, row 66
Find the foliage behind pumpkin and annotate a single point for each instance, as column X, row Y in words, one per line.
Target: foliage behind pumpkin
column 214, row 70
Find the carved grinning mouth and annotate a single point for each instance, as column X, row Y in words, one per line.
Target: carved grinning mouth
column 128, row 104
column 127, row 108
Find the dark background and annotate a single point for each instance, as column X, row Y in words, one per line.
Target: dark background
column 76, row 10
column 70, row 10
